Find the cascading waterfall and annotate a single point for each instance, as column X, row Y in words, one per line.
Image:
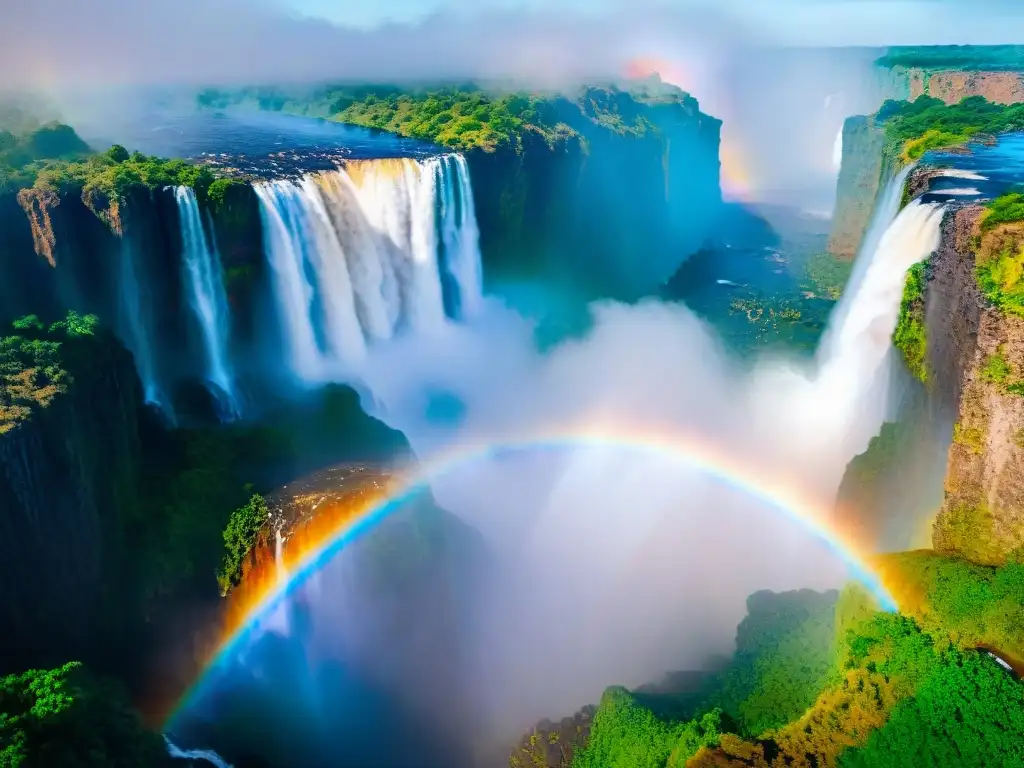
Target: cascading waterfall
column 461, row 235
column 136, row 332
column 357, row 255
column 205, row 280
column 206, row 755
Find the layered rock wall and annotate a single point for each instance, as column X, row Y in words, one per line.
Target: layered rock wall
column 977, row 354
column 952, row 86
column 860, row 179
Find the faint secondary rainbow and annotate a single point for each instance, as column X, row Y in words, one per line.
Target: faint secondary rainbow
column 340, row 526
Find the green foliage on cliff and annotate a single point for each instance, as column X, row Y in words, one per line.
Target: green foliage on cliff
column 876, row 688
column 625, row 734
column 910, row 336
column 240, row 536
column 452, row 117
column 114, row 174
column 469, row 116
column 971, row 605
column 992, row 58
column 914, row 127
column 999, row 253
column 220, row 189
column 1006, row 208
column 828, row 275
column 967, row 712
column 65, row 717
column 1001, row 372
column 54, row 158
column 785, row 650
column 22, row 155
column 32, row 368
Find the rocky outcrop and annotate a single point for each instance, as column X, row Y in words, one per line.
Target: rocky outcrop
column 552, row 745
column 977, row 354
column 860, row 179
column 952, row 86
column 66, row 473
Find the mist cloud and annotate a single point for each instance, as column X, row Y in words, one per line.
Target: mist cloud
column 52, row 43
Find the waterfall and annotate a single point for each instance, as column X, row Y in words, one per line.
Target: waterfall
column 886, row 209
column 837, row 149
column 136, row 329
column 205, row 755
column 461, row 235
column 205, row 280
column 856, row 350
column 357, row 256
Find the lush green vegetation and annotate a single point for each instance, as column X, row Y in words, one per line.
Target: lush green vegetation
column 454, row 118
column 626, row 734
column 970, row 604
column 910, row 336
column 54, row 158
column 999, row 371
column 993, row 58
column 32, row 370
column 828, row 275
column 240, row 537
column 999, row 253
column 785, row 649
column 914, row 127
column 468, row 116
column 23, row 155
column 821, row 682
column 65, row 717
column 968, row 711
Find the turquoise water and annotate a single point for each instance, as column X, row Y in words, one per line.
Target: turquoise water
column 1000, row 166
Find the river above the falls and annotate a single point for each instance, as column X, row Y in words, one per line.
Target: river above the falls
column 981, row 171
column 260, row 144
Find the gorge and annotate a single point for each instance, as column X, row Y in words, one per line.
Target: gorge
column 448, row 525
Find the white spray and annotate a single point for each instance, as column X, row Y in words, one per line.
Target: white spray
column 206, row 755
column 609, row 562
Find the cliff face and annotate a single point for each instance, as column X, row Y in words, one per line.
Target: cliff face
column 860, row 177
column 952, row 86
column 609, row 209
column 977, row 354
column 65, row 473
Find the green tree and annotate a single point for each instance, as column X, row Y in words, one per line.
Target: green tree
column 118, row 154
column 65, row 717
column 240, row 537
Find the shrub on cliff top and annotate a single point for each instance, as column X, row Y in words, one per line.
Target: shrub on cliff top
column 240, row 537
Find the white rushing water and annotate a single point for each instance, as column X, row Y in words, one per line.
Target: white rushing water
column 837, row 150
column 205, row 755
column 136, row 328
column 357, row 257
column 205, row 281
column 959, row 173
